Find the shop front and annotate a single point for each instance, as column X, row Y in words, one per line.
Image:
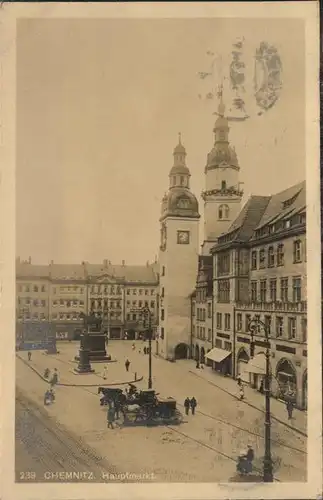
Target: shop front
column 255, row 370
column 221, row 360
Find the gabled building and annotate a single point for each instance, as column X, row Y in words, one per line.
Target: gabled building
column 259, row 270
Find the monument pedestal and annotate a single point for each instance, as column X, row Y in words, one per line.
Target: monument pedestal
column 52, row 348
column 84, row 365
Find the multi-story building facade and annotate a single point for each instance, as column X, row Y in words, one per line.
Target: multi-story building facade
column 202, row 311
column 259, row 271
column 60, row 293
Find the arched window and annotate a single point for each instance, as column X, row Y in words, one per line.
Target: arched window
column 223, row 212
column 182, row 180
column 223, row 185
column 174, row 180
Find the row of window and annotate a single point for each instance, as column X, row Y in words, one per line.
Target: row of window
column 258, row 290
column 34, row 316
column 94, row 289
column 201, row 313
column 141, row 303
column 98, row 304
column 33, row 288
column 201, row 294
column 227, row 345
column 275, row 255
column 68, row 303
column 281, row 225
column 135, row 317
column 140, row 291
column 34, row 302
column 106, row 290
column 223, row 291
column 201, row 331
column 278, row 329
column 227, row 321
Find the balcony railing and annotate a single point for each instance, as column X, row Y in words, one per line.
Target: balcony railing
column 274, row 306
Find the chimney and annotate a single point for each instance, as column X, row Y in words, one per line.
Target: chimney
column 105, row 263
column 123, row 262
column 51, row 262
column 29, row 260
column 147, row 263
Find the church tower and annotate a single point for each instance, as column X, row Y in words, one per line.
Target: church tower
column 222, row 195
column 178, row 259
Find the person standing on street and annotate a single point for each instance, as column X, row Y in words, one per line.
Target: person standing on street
column 193, row 404
column 110, row 416
column 241, row 393
column 54, row 379
column 127, row 364
column 290, row 408
column 239, row 379
column 29, row 355
column 187, row 405
column 105, row 372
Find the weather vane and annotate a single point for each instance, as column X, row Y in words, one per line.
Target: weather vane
column 249, row 85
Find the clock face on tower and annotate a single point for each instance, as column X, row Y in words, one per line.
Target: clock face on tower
column 183, row 237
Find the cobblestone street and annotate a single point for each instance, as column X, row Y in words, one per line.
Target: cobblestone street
column 203, row 448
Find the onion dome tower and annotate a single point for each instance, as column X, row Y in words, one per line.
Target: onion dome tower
column 178, row 257
column 222, row 195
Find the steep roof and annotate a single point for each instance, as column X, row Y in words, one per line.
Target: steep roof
column 262, row 210
column 130, row 274
column 67, row 271
column 284, row 204
column 28, row 270
column 249, row 217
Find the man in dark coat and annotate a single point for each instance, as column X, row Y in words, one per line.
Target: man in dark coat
column 193, row 405
column 127, row 364
column 187, row 405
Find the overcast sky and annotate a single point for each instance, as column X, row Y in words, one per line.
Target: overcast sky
column 99, row 107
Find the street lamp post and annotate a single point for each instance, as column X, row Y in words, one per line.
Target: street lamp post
column 145, row 311
column 254, row 325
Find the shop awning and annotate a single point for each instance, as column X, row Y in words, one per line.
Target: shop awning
column 257, row 365
column 217, row 354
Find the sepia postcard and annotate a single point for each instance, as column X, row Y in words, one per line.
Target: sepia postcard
column 160, row 251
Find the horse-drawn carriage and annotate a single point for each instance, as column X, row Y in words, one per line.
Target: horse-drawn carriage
column 141, row 406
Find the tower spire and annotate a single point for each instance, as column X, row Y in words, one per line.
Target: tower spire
column 221, row 107
column 179, row 138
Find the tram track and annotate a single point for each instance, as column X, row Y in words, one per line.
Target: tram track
column 211, row 417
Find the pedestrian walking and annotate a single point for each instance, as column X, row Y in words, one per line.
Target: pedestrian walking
column 239, row 379
column 29, row 355
column 261, row 388
column 54, row 379
column 116, row 410
column 145, row 350
column 127, row 364
column 193, row 404
column 110, row 416
column 197, row 365
column 133, row 347
column 105, row 372
column 290, row 408
column 241, row 393
column 187, row 404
